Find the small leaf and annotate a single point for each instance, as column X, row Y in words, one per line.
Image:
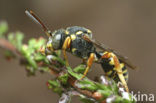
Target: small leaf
column 31, row 61
column 106, row 93
column 77, row 76
column 32, row 43
column 80, row 69
column 3, row 28
column 86, row 84
column 44, row 69
column 63, row 78
column 11, row 38
column 39, row 57
column 55, row 86
column 19, row 39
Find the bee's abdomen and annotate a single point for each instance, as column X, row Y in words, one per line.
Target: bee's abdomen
column 124, row 71
column 109, row 69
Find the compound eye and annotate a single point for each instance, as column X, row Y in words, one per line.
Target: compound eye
column 58, row 37
column 56, row 41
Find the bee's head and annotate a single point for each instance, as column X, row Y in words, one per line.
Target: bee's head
column 55, row 41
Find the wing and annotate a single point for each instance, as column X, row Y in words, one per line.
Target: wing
column 106, row 48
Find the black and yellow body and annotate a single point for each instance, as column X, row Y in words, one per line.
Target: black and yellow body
column 108, row 66
column 113, row 67
column 71, row 40
column 80, row 47
column 78, row 41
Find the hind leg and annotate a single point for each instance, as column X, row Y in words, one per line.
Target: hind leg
column 117, row 68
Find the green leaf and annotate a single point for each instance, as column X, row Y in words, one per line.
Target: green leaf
column 58, row 53
column 3, row 28
column 63, row 78
column 19, row 39
column 11, row 38
column 32, row 62
column 80, row 68
column 36, row 43
column 106, row 93
column 39, row 57
column 45, row 69
column 32, row 43
column 55, row 86
column 86, row 100
column 87, row 84
column 77, row 76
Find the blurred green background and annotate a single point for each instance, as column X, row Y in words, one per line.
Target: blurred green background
column 127, row 26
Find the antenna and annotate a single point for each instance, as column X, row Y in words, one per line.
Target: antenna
column 35, row 18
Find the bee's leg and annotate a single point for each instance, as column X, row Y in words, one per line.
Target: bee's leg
column 117, row 67
column 89, row 63
column 65, row 46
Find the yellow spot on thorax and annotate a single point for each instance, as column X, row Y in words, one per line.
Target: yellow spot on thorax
column 73, row 50
column 79, row 32
column 67, row 32
column 73, row 36
column 89, row 31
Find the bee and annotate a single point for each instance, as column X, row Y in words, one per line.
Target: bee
column 78, row 41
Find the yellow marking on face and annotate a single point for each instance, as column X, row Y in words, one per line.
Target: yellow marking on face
column 50, row 47
column 67, row 32
column 79, row 32
column 73, row 36
column 73, row 50
column 109, row 73
column 89, row 31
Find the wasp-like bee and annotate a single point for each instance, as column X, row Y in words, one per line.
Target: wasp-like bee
column 78, row 41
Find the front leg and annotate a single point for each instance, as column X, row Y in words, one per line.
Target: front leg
column 66, row 45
